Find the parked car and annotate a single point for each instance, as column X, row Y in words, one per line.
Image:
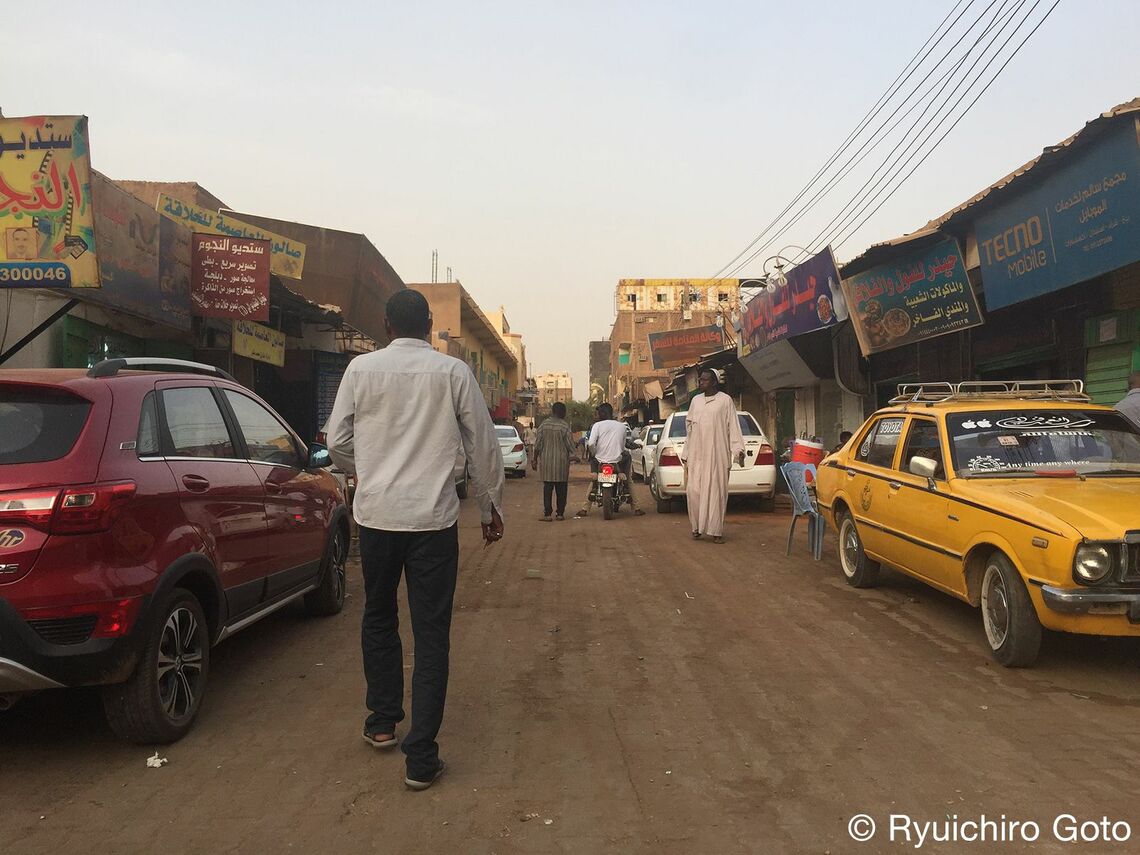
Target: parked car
column 645, row 458
column 145, row 516
column 1018, row 497
column 757, row 477
column 346, row 481
column 513, row 450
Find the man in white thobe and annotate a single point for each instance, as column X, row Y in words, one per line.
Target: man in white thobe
column 714, row 440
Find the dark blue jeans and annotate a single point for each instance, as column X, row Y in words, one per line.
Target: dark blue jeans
column 430, row 561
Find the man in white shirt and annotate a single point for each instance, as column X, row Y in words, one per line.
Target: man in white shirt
column 607, row 444
column 401, row 417
column 1130, row 404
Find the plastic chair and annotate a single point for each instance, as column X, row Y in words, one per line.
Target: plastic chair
column 795, row 474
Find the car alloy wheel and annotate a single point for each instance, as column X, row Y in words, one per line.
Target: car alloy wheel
column 1009, row 617
column 180, row 664
column 859, row 570
column 995, row 607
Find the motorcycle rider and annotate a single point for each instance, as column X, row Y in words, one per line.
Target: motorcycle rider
column 608, row 443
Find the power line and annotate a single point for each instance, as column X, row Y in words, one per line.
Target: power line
column 969, row 107
column 891, row 122
column 876, row 108
column 910, row 143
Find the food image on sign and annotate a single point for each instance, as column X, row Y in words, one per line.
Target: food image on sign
column 896, row 323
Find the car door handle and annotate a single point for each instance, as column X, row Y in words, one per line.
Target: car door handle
column 196, row 483
column 273, row 489
column 850, row 473
column 895, row 485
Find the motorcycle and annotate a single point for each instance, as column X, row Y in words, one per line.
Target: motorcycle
column 611, row 489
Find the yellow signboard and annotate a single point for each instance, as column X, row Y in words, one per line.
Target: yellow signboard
column 47, row 232
column 257, row 341
column 286, row 256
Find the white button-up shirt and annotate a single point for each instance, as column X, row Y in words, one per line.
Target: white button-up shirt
column 607, row 439
column 403, row 417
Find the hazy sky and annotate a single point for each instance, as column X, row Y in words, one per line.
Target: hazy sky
column 545, row 149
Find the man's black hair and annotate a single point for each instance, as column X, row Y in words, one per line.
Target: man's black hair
column 559, row 410
column 408, row 313
column 605, row 411
column 844, row 435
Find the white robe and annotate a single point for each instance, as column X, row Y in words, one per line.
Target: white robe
column 714, row 440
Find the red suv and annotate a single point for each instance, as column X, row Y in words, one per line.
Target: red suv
column 148, row 510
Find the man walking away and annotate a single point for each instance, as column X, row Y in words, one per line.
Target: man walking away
column 607, row 444
column 554, row 447
column 1130, row 403
column 714, row 439
column 401, row 417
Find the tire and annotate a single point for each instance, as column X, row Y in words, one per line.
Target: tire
column 328, row 597
column 664, row 506
column 859, row 570
column 607, row 503
column 153, row 707
column 1013, row 630
column 462, row 486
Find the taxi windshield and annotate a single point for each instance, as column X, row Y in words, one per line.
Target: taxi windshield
column 1045, row 442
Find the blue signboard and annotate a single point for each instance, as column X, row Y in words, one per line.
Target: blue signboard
column 921, row 295
column 1081, row 221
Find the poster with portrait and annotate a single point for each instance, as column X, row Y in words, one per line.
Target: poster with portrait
column 47, row 231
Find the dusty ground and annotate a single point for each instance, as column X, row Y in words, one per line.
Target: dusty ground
column 646, row 693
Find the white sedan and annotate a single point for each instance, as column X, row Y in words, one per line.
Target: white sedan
column 757, row 477
column 645, row 457
column 513, row 450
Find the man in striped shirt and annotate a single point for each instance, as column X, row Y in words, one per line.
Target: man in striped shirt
column 554, row 447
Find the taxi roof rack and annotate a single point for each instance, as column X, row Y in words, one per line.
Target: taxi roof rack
column 1051, row 390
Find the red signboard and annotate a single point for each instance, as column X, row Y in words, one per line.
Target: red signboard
column 229, row 277
column 674, row 348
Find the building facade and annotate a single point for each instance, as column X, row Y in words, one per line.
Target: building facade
column 553, row 386
column 461, row 329
column 599, row 371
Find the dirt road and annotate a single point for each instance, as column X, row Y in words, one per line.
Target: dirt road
column 645, row 693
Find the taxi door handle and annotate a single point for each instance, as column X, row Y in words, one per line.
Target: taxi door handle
column 895, row 485
column 850, row 473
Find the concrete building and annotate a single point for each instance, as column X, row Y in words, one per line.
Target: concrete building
column 647, row 306
column 554, row 386
column 462, row 329
column 599, row 371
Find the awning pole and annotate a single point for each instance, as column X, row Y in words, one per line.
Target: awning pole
column 30, row 337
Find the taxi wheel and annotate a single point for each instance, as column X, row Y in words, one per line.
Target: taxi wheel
column 859, row 570
column 1012, row 627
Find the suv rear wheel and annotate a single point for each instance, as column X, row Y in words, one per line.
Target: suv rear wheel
column 160, row 700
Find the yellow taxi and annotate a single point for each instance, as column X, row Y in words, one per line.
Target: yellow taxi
column 1020, row 497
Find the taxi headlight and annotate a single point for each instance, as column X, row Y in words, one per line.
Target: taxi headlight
column 1092, row 563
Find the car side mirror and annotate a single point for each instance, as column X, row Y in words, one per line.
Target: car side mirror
column 319, row 457
column 924, row 467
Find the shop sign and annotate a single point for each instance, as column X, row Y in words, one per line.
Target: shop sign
column 256, row 341
column 675, row 348
column 1080, row 222
column 810, row 300
column 131, row 244
column 921, row 295
column 47, row 219
column 287, row 256
column 229, row 277
column 778, row 366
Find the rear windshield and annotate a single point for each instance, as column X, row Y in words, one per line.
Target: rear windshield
column 747, row 426
column 37, row 425
column 506, row 433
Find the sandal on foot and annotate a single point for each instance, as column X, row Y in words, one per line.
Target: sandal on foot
column 580, row 515
column 718, row 539
column 696, row 535
column 544, row 519
column 381, row 740
column 638, row 512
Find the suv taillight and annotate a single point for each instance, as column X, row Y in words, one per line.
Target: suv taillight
column 88, row 509
column 31, row 507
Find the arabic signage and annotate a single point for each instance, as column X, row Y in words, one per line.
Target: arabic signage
column 131, row 243
column 810, row 300
column 778, row 367
column 674, row 348
column 287, row 256
column 1081, row 221
column 925, row 294
column 47, row 237
column 259, row 342
column 229, row 277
